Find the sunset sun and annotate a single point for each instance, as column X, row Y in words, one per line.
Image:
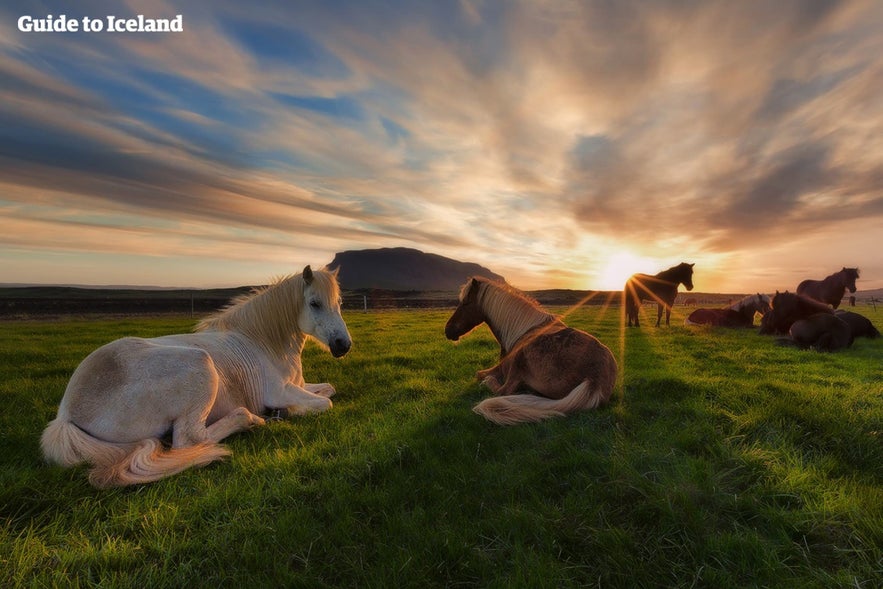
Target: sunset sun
column 619, row 267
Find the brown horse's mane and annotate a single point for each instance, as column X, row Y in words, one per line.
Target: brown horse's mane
column 512, row 312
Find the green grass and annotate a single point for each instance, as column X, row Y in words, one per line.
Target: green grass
column 724, row 460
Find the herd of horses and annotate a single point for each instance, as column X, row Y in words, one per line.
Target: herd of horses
column 808, row 318
column 139, row 410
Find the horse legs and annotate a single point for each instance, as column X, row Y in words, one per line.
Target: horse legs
column 238, row 420
column 190, row 427
column 631, row 311
column 491, row 377
column 511, row 381
column 323, row 389
column 659, row 314
column 667, row 315
column 300, row 401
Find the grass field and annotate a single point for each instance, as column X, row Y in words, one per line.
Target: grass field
column 724, row 460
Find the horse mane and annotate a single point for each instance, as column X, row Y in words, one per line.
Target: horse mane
column 745, row 301
column 268, row 315
column 851, row 272
column 513, row 312
column 675, row 272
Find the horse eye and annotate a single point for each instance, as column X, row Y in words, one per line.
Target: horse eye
column 315, row 305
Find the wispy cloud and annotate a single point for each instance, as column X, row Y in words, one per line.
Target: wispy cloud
column 537, row 138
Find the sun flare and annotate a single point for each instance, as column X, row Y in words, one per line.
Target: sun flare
column 620, row 266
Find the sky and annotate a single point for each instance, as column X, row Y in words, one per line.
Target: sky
column 559, row 143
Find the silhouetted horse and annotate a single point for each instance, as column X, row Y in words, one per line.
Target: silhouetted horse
column 661, row 288
column 823, row 332
column 832, row 288
column 740, row 314
column 787, row 308
column 860, row 325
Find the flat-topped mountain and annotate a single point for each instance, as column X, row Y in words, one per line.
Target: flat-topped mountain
column 403, row 268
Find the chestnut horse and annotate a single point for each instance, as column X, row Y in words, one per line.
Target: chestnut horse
column 557, row 369
column 740, row 314
column 661, row 288
column 787, row 308
column 832, row 288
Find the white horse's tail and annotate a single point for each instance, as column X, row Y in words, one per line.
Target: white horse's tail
column 513, row 409
column 117, row 465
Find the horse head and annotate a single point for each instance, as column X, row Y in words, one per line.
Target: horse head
column 783, row 307
column 468, row 313
column 685, row 273
column 850, row 275
column 763, row 304
column 320, row 314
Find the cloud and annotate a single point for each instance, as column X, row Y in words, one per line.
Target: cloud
column 495, row 131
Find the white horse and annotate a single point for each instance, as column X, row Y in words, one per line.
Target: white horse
column 200, row 387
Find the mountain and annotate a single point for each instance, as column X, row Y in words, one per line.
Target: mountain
column 403, row 268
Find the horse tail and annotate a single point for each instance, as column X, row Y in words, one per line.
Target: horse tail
column 513, row 409
column 121, row 464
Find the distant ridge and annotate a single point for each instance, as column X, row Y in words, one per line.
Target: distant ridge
column 403, row 269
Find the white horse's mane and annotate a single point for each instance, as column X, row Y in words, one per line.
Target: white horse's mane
column 511, row 311
column 268, row 314
column 756, row 300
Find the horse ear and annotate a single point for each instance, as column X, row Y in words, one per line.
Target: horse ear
column 693, row 264
column 308, row 275
column 473, row 289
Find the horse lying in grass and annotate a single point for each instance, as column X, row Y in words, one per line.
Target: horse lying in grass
column 823, row 332
column 200, row 388
column 860, row 325
column 661, row 289
column 786, row 308
column 739, row 314
column 557, row 369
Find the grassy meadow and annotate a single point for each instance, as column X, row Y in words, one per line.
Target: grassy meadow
column 723, row 460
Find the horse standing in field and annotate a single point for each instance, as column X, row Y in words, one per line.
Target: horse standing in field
column 661, row 288
column 787, row 308
column 200, row 388
column 557, row 369
column 739, row 314
column 823, row 332
column 832, row 288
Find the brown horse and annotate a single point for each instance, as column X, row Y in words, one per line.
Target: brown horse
column 740, row 314
column 787, row 308
column 823, row 332
column 832, row 288
column 557, row 369
column 661, row 288
column 860, row 325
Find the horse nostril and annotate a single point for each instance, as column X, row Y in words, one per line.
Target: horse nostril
column 340, row 346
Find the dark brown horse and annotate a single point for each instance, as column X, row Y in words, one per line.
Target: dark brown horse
column 860, row 325
column 823, row 332
column 832, row 288
column 661, row 288
column 740, row 314
column 558, row 369
column 787, row 308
